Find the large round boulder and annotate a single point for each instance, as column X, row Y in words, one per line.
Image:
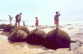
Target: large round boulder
column 24, row 28
column 36, row 37
column 57, row 39
column 18, row 36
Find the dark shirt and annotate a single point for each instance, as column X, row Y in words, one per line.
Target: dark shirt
column 56, row 17
column 18, row 18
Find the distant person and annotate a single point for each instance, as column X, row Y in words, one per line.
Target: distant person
column 18, row 19
column 56, row 19
column 36, row 22
column 10, row 19
column 24, row 23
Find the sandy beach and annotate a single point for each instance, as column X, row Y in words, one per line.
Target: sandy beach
column 75, row 32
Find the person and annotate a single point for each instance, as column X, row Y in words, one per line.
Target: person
column 18, row 19
column 56, row 19
column 10, row 19
column 24, row 23
column 36, row 22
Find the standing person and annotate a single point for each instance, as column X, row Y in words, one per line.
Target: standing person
column 24, row 23
column 18, row 19
column 56, row 19
column 36, row 22
column 10, row 19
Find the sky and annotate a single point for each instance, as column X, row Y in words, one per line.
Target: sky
column 71, row 11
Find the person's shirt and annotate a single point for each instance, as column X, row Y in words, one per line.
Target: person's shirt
column 18, row 17
column 56, row 16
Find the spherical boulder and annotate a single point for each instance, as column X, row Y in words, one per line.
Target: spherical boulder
column 36, row 37
column 24, row 28
column 17, row 36
column 57, row 39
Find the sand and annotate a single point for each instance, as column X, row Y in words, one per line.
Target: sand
column 24, row 48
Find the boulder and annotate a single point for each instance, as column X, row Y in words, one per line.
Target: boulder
column 57, row 39
column 18, row 36
column 24, row 28
column 36, row 37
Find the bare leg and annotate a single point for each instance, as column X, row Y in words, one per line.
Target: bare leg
column 18, row 24
column 57, row 27
column 10, row 22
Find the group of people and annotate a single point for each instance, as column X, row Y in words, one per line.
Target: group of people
column 18, row 19
column 56, row 20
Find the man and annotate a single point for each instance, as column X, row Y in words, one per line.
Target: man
column 56, row 19
column 10, row 19
column 36, row 22
column 18, row 19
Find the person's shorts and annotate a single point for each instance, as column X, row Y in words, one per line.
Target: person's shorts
column 18, row 20
column 56, row 22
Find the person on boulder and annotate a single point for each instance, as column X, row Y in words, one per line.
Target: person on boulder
column 36, row 22
column 18, row 19
column 10, row 19
column 56, row 19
